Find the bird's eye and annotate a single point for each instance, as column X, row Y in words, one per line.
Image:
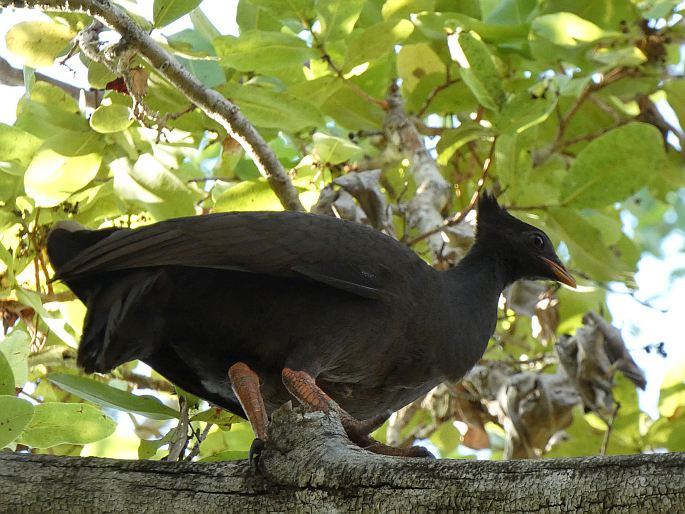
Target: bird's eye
column 537, row 241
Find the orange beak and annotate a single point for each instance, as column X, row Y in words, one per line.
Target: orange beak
column 560, row 272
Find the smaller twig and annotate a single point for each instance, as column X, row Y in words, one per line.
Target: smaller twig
column 180, row 440
column 338, row 72
column 610, row 426
column 594, row 135
column 195, row 450
column 434, row 92
column 208, row 179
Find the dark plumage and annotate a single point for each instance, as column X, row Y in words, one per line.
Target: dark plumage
column 355, row 309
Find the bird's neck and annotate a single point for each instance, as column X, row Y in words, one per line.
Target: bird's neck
column 473, row 289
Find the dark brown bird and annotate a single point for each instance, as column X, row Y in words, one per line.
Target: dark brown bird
column 249, row 309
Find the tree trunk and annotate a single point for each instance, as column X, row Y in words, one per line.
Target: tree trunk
column 310, row 466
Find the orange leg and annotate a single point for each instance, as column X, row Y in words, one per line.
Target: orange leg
column 245, row 383
column 303, row 387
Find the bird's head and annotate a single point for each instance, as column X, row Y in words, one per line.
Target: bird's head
column 525, row 251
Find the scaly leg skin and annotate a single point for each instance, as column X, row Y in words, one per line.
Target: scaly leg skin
column 303, row 387
column 245, row 384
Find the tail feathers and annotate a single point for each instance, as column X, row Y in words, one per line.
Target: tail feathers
column 121, row 324
column 68, row 239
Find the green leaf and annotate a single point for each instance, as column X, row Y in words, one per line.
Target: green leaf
column 675, row 92
column 588, row 251
column 607, row 14
column 156, row 186
column 16, row 348
column 49, row 110
column 107, row 119
column 272, row 109
column 376, row 41
column 676, row 438
column 15, row 414
column 453, row 139
column 203, row 25
column 524, row 110
column 393, row 9
column 511, row 11
column 335, row 150
column 417, row 61
column 38, row 42
column 66, row 423
column 351, row 111
column 148, row 447
column 7, row 384
column 567, row 29
column 478, row 70
column 672, row 395
column 66, row 162
column 217, row 416
column 166, row 11
column 435, row 25
column 198, row 56
column 249, row 17
column 299, row 10
column 17, row 145
column 263, row 52
column 614, row 166
column 248, row 196
column 337, row 17
column 55, row 323
column 112, row 398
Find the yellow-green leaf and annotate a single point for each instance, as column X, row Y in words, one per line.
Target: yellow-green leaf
column 375, row 41
column 262, row 51
column 15, row 414
column 248, row 196
column 614, row 166
column 111, row 397
column 66, row 423
column 567, row 29
column 110, row 118
column 15, row 348
column 335, row 150
column 478, row 70
column 65, row 163
column 38, row 42
column 166, row 11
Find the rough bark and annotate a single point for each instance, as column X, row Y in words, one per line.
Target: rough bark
column 310, row 466
column 210, row 101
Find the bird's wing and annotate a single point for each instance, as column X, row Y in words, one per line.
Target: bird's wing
column 342, row 255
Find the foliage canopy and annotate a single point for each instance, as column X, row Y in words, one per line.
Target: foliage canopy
column 556, row 105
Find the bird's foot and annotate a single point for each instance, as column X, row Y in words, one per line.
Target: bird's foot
column 255, row 452
column 358, row 432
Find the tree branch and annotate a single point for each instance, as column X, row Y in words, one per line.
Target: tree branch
column 10, row 76
column 210, row 101
column 309, row 465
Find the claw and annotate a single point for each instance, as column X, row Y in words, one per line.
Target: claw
column 255, row 453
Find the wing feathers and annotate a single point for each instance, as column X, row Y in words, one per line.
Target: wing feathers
column 339, row 254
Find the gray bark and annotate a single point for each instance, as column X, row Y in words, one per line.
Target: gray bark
column 310, row 466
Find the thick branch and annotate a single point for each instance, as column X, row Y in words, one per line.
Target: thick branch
column 311, row 467
column 10, row 76
column 433, row 191
column 210, row 101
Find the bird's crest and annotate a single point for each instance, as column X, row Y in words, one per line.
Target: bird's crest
column 492, row 215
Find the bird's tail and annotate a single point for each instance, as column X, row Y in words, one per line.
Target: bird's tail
column 68, row 239
column 116, row 302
